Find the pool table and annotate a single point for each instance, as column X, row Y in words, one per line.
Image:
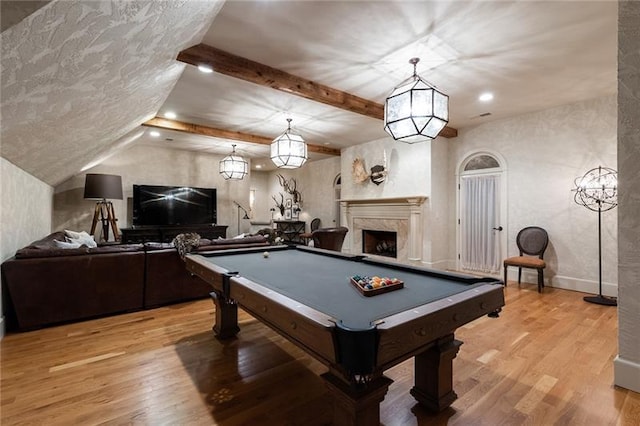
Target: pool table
column 305, row 294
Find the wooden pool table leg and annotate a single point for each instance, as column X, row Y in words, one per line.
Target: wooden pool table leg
column 434, row 374
column 226, row 324
column 356, row 407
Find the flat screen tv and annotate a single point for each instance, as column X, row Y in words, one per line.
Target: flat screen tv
column 173, row 205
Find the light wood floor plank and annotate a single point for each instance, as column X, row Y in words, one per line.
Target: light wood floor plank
column 548, row 360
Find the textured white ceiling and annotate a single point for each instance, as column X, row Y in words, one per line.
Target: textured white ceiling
column 532, row 55
column 78, row 76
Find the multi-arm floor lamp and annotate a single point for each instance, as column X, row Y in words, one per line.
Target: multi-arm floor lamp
column 103, row 187
column 597, row 190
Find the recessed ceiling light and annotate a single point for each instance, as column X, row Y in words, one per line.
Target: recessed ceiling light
column 170, row 114
column 486, row 97
column 154, row 133
column 205, row 69
column 258, row 166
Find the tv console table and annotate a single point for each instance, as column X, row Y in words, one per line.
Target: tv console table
column 166, row 234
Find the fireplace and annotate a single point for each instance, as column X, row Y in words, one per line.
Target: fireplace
column 400, row 216
column 381, row 243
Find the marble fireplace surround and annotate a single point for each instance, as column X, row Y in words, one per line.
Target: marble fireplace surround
column 403, row 215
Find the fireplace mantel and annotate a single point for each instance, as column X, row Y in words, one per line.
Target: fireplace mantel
column 404, row 215
column 414, row 199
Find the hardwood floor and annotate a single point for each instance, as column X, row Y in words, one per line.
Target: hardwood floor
column 548, row 360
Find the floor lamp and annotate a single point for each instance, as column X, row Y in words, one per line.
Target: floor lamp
column 103, row 187
column 597, row 190
column 246, row 214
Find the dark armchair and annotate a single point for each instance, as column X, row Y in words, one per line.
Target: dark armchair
column 306, row 236
column 329, row 238
column 532, row 241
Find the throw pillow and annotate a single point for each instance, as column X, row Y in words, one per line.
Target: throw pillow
column 82, row 237
column 67, row 245
column 185, row 243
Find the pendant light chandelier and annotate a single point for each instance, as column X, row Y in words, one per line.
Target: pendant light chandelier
column 415, row 111
column 288, row 151
column 233, row 166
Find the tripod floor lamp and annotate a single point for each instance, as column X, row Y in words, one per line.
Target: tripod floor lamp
column 597, row 190
column 103, row 187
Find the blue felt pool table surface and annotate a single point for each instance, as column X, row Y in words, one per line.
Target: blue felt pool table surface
column 323, row 283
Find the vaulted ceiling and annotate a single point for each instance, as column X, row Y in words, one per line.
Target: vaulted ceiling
column 80, row 79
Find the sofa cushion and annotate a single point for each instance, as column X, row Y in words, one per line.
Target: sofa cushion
column 48, row 247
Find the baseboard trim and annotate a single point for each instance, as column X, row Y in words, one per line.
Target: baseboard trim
column 442, row 265
column 566, row 283
column 626, row 374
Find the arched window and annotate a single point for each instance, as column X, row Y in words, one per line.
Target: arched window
column 482, row 161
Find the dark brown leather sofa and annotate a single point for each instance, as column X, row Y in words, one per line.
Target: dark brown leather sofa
column 168, row 281
column 44, row 285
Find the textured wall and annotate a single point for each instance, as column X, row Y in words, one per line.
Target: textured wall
column 161, row 166
column 151, row 166
column 627, row 366
column 545, row 152
column 26, row 205
column 75, row 64
column 409, row 167
column 315, row 182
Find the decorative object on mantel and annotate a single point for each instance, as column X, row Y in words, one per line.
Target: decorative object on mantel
column 378, row 172
column 597, row 190
column 415, row 111
column 358, row 171
column 288, row 151
column 234, row 166
column 290, row 187
column 103, row 187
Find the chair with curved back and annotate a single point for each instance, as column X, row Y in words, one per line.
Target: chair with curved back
column 532, row 242
column 315, row 224
column 329, row 238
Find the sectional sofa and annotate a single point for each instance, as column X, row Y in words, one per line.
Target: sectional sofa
column 44, row 285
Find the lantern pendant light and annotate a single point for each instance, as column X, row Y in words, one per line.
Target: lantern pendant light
column 288, row 151
column 233, row 166
column 415, row 111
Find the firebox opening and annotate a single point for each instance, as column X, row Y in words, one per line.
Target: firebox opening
column 381, row 243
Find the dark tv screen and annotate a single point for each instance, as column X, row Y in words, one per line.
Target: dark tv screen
column 173, row 205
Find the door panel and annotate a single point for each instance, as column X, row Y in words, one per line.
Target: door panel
column 480, row 226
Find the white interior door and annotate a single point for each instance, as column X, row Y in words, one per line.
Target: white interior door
column 480, row 222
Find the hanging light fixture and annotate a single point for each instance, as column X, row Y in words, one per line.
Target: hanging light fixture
column 288, row 151
column 233, row 166
column 415, row 111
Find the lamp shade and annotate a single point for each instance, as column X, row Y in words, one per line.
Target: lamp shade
column 288, row 151
column 233, row 166
column 102, row 187
column 415, row 111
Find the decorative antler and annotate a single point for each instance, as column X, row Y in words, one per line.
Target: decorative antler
column 290, row 187
column 279, row 205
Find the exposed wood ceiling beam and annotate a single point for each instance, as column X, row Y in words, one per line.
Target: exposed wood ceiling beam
column 264, row 75
column 197, row 129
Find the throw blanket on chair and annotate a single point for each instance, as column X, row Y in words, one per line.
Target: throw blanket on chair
column 185, row 243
